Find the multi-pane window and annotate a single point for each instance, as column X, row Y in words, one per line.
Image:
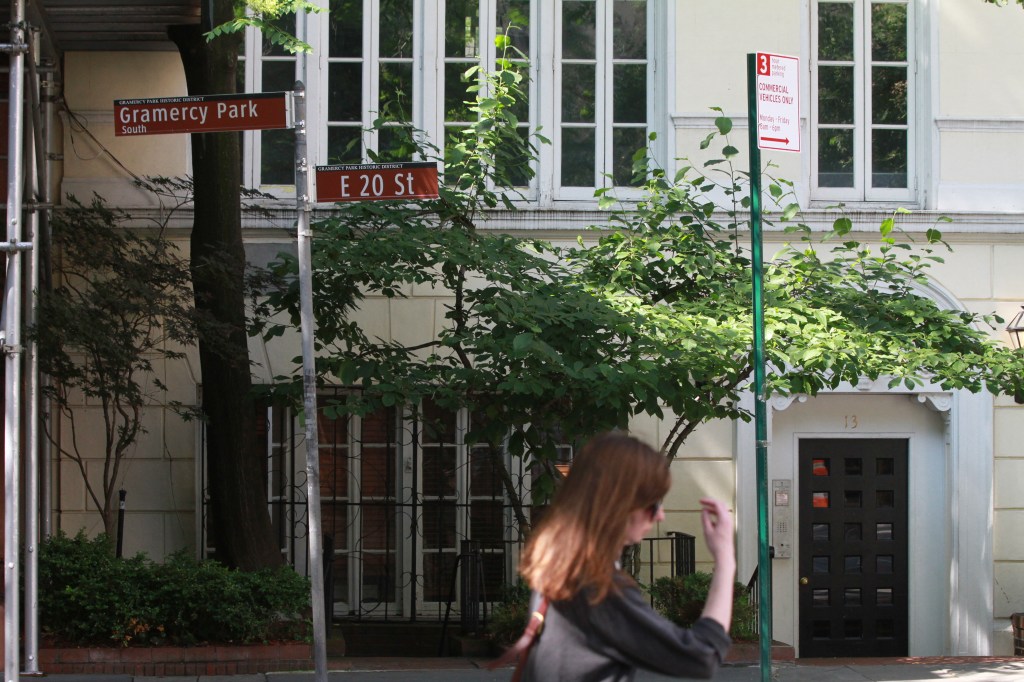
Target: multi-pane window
column 371, row 50
column 603, row 90
column 403, row 497
column 359, row 507
column 863, row 100
column 439, row 511
column 276, row 73
column 402, row 62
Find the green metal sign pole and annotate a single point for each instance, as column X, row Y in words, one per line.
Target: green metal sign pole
column 764, row 566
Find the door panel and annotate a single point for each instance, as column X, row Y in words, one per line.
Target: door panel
column 853, row 547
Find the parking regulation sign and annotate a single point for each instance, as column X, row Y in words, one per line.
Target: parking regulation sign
column 778, row 102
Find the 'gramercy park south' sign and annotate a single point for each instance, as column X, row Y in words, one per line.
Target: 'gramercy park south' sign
column 202, row 113
column 273, row 110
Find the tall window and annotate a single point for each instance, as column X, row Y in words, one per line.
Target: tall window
column 275, row 72
column 603, row 67
column 863, row 102
column 405, row 62
column 370, row 75
column 402, row 497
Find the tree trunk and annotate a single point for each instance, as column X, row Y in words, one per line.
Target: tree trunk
column 238, row 520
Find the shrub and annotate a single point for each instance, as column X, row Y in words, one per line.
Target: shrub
column 508, row 619
column 87, row 596
column 208, row 602
column 681, row 600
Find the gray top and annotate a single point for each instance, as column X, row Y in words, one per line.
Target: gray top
column 609, row 641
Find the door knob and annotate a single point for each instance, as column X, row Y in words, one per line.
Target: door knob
column 805, row 581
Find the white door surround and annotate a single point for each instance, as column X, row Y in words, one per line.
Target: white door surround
column 951, row 478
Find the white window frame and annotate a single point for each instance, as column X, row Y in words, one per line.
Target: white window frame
column 252, row 64
column 862, row 191
column 603, row 106
column 407, row 556
column 428, row 112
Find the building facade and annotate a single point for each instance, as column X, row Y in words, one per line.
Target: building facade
column 908, row 104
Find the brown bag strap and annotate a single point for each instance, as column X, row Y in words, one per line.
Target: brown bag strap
column 521, row 648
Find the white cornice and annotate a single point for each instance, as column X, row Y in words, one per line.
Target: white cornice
column 952, row 124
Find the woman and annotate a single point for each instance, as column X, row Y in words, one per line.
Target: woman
column 598, row 625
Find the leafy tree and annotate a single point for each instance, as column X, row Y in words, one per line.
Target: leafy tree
column 489, row 357
column 263, row 15
column 121, row 301
column 1004, row 3
column 833, row 312
column 652, row 318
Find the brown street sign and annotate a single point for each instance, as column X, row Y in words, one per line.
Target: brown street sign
column 202, row 114
column 377, row 181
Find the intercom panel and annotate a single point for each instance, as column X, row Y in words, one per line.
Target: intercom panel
column 782, row 518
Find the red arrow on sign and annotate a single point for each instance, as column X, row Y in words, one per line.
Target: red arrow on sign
column 783, row 140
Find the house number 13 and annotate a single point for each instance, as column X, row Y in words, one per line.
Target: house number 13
column 850, row 422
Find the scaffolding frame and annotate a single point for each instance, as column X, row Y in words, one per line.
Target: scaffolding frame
column 28, row 144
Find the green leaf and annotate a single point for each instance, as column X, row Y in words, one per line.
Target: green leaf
column 522, row 342
column 724, row 125
column 842, row 226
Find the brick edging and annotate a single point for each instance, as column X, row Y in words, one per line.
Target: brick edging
column 173, row 660
column 750, row 652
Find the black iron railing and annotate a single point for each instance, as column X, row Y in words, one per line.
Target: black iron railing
column 681, row 557
column 753, row 595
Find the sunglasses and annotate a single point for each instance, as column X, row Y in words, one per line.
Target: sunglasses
column 653, row 510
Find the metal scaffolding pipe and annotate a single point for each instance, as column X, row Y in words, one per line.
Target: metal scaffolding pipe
column 12, row 348
column 41, row 242
column 36, row 158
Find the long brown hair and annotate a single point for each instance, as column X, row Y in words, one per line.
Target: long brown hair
column 577, row 542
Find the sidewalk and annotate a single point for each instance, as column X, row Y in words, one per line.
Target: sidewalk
column 961, row 669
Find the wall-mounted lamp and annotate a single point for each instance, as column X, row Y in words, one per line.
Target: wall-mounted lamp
column 1016, row 329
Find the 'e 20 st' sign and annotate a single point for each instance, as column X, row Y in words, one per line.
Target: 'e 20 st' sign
column 376, row 181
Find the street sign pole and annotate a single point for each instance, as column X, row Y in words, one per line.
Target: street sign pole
column 306, row 323
column 764, row 567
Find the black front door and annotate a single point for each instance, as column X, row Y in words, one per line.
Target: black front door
column 853, row 547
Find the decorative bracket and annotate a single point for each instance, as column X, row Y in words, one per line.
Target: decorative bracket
column 939, row 402
column 781, row 403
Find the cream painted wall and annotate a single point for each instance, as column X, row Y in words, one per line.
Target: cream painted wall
column 980, row 117
column 985, row 157
column 981, row 51
column 703, row 467
column 1009, row 511
column 158, row 473
column 713, row 39
column 93, row 80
